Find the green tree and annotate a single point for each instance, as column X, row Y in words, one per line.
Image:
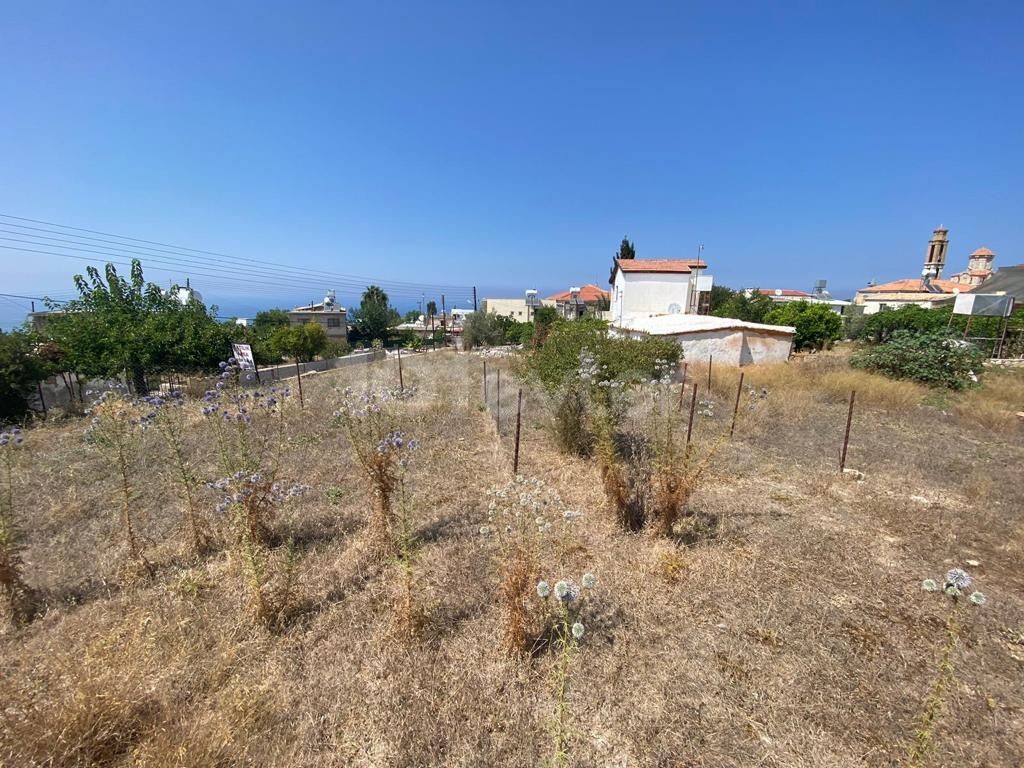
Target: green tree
column 431, row 309
column 300, row 342
column 626, row 250
column 119, row 325
column 751, row 306
column 374, row 317
column 483, row 329
column 719, row 296
column 543, row 318
column 817, row 326
column 411, row 316
column 21, row 369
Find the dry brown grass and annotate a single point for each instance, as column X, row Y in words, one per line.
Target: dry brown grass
column 796, row 635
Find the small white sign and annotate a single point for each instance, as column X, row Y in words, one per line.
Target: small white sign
column 243, row 354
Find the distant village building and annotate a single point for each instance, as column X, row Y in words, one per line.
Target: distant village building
column 820, row 295
column 577, row 302
column 517, row 309
column 979, row 268
column 328, row 313
column 930, row 289
column 647, row 287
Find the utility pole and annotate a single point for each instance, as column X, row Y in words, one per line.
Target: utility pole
column 474, row 298
column 444, row 323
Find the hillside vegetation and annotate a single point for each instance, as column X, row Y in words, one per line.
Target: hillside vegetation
column 355, row 581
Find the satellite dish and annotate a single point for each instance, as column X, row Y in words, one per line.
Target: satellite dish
column 778, row 291
column 674, row 309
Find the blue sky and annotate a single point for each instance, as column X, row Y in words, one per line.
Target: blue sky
column 511, row 145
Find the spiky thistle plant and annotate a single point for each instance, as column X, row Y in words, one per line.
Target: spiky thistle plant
column 565, row 604
column 954, row 588
column 20, row 597
column 372, row 420
column 169, row 418
column 116, row 430
column 520, row 517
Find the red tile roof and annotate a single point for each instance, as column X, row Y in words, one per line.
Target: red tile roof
column 983, row 252
column 588, row 294
column 659, row 265
column 912, row 285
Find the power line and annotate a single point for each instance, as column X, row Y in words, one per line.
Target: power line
column 237, row 260
column 188, row 266
column 236, row 276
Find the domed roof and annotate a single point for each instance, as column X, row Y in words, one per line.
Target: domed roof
column 983, row 252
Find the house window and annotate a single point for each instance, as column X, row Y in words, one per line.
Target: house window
column 334, row 322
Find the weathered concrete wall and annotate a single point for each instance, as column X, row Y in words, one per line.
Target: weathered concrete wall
column 732, row 347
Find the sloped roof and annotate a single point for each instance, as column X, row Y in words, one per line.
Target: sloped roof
column 676, row 325
column 913, row 285
column 1008, row 280
column 588, row 294
column 982, row 252
column 660, row 265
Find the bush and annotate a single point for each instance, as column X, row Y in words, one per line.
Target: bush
column 882, row 325
column 482, row 329
column 817, row 326
column 617, row 358
column 934, row 359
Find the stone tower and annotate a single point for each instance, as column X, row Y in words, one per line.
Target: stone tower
column 935, row 258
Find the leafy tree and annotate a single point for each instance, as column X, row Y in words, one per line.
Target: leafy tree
column 879, row 326
column 300, row 342
column 543, row 318
column 817, row 326
column 933, row 358
column 21, row 369
column 431, row 309
column 374, row 317
column 269, row 320
column 411, row 316
column 745, row 305
column 719, row 296
column 626, row 250
column 483, row 329
column 119, row 325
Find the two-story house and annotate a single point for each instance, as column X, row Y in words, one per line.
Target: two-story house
column 647, row 287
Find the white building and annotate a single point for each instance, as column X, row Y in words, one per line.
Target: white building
column 727, row 341
column 647, row 287
column 786, row 295
column 517, row 309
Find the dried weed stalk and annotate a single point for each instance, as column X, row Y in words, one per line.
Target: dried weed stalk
column 954, row 587
column 371, row 420
column 20, row 598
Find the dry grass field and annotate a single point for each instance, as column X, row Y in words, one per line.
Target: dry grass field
column 786, row 626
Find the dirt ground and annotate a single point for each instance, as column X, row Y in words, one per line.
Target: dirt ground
column 790, row 630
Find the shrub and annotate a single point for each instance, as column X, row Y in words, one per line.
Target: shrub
column 483, row 329
column 934, row 359
column 617, row 358
column 817, row 326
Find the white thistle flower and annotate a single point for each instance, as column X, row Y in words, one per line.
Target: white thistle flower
column 977, row 598
column 929, row 585
column 588, row 580
column 577, row 630
column 543, row 589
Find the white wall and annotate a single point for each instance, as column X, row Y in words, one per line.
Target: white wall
column 732, row 346
column 648, row 293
